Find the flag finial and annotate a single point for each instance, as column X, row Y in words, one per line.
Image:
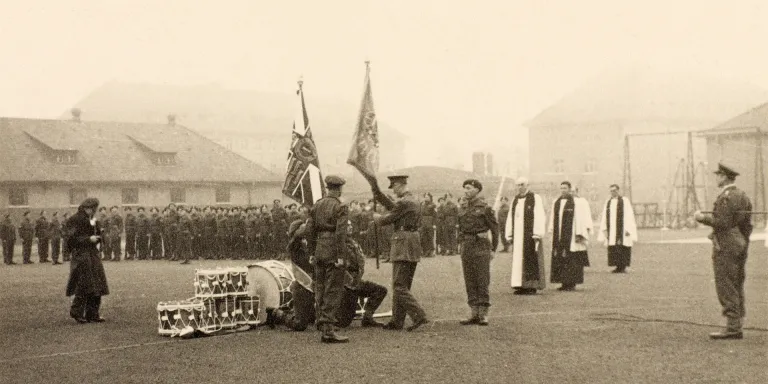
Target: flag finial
column 301, row 81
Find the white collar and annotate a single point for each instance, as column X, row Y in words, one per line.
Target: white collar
column 724, row 188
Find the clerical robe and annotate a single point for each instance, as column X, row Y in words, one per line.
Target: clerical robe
column 618, row 230
column 525, row 220
column 567, row 220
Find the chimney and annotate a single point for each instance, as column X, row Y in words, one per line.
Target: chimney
column 76, row 114
column 172, row 120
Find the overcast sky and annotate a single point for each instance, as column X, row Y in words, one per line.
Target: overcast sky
column 467, row 72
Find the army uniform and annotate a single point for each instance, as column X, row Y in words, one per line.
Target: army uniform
column 41, row 232
column 731, row 224
column 54, row 231
column 197, row 235
column 221, row 236
column 502, row 220
column 102, row 223
column 130, row 235
column 474, row 224
column 449, row 227
column 155, row 232
column 238, row 237
column 8, row 236
column 184, row 239
column 326, row 241
column 142, row 235
column 405, row 254
column 302, row 312
column 427, row 228
column 114, row 231
column 209, row 235
column 26, row 233
column 357, row 290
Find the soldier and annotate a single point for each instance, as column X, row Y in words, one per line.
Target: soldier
column 405, row 252
column 221, row 234
column 280, row 223
column 130, row 234
column 502, row 220
column 731, row 224
column 8, row 233
column 451, row 223
column 239, row 245
column 440, row 226
column 357, row 290
column 155, row 232
column 184, row 237
column 303, row 303
column 114, row 232
column 27, row 234
column 142, row 234
column 197, row 234
column 427, row 229
column 209, row 233
column 327, row 242
column 65, row 252
column 41, row 232
column 477, row 251
column 54, row 231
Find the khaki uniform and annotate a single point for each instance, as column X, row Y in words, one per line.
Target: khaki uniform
column 476, row 251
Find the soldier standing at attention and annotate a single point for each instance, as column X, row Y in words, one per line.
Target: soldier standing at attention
column 477, row 251
column 41, row 232
column 155, row 231
column 8, row 235
column 130, row 234
column 65, row 252
column 142, row 234
column 114, row 231
column 502, row 219
column 731, row 223
column 27, row 234
column 327, row 242
column 405, row 252
column 54, row 232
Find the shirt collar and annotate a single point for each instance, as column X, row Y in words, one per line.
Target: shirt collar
column 724, row 188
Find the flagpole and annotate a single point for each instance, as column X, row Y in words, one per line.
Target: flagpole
column 375, row 205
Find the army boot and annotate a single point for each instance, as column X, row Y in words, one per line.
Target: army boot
column 473, row 318
column 482, row 316
column 369, row 321
column 329, row 335
column 732, row 331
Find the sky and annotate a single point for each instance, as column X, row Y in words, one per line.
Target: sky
column 465, row 73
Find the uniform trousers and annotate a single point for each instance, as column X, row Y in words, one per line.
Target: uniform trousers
column 372, row 293
column 476, row 265
column 329, row 289
column 55, row 249
column 130, row 244
column 729, row 282
column 403, row 302
column 8, row 246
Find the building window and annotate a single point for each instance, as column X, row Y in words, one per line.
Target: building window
column 77, row 195
column 589, row 166
column 222, row 195
column 178, row 195
column 559, row 166
column 165, row 159
column 18, row 197
column 130, row 196
column 65, row 158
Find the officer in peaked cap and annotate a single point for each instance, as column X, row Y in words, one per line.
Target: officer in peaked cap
column 327, row 237
column 730, row 239
column 726, row 171
column 397, row 179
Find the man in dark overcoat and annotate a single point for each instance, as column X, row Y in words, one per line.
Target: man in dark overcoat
column 87, row 280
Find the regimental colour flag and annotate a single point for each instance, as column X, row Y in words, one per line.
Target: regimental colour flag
column 364, row 154
column 303, row 179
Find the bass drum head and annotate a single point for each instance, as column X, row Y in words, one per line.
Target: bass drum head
column 262, row 283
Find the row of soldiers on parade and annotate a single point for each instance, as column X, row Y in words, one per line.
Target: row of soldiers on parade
column 177, row 233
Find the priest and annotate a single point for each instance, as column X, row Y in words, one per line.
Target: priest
column 570, row 232
column 618, row 230
column 526, row 224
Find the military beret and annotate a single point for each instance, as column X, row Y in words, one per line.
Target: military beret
column 127, row 209
column 397, row 179
column 294, row 227
column 90, row 202
column 333, row 180
column 725, row 171
column 140, row 209
column 473, row 183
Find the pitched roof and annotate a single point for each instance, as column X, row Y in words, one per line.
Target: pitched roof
column 428, row 179
column 207, row 108
column 117, row 152
column 750, row 121
column 643, row 94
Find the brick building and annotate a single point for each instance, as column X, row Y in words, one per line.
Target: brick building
column 55, row 164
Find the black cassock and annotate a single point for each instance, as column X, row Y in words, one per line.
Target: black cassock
column 86, row 273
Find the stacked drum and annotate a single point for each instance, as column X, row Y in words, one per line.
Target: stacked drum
column 222, row 302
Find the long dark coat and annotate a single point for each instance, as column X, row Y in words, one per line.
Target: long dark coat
column 86, row 273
